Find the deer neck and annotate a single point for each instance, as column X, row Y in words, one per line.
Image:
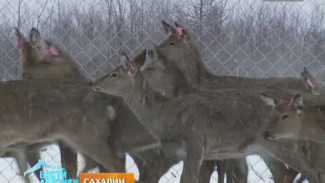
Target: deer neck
column 146, row 105
column 313, row 124
column 27, row 58
column 135, row 92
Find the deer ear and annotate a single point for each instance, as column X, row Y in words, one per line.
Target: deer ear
column 297, row 103
column 310, row 82
column 35, row 37
column 125, row 61
column 268, row 100
column 128, row 64
column 168, row 28
column 19, row 34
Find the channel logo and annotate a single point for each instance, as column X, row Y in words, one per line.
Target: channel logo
column 106, row 177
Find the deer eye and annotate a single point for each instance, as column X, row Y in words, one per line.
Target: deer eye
column 172, row 43
column 114, row 75
column 284, row 117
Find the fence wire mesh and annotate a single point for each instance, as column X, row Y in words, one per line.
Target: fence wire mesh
column 243, row 38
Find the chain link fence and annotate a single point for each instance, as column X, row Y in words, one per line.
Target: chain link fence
column 243, row 38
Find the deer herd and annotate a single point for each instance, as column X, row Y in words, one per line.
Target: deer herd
column 161, row 106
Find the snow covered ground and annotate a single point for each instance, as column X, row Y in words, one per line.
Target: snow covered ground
column 258, row 172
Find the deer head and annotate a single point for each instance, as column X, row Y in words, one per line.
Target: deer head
column 162, row 75
column 178, row 42
column 123, row 78
column 286, row 117
column 178, row 48
column 42, row 59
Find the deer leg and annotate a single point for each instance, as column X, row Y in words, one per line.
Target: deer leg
column 222, row 167
column 90, row 164
column 207, row 168
column 279, row 171
column 240, row 170
column 194, row 156
column 144, row 174
column 20, row 156
column 98, row 150
column 33, row 155
column 68, row 159
column 229, row 171
column 283, row 151
column 154, row 164
column 321, row 177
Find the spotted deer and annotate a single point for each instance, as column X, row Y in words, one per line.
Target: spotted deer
column 188, row 127
column 128, row 135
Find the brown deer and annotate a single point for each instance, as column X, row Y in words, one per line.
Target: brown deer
column 55, row 110
column 41, row 59
column 127, row 133
column 179, row 50
column 292, row 119
column 157, row 67
column 179, row 64
column 34, row 65
column 177, row 86
column 196, row 126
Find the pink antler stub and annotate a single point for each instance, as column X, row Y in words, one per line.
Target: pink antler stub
column 179, row 33
column 21, row 43
column 310, row 84
column 50, row 51
column 131, row 67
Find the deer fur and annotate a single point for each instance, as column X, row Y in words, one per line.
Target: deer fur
column 189, row 126
column 128, row 135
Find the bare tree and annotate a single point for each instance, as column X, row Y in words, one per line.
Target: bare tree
column 59, row 11
column 19, row 9
column 40, row 13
